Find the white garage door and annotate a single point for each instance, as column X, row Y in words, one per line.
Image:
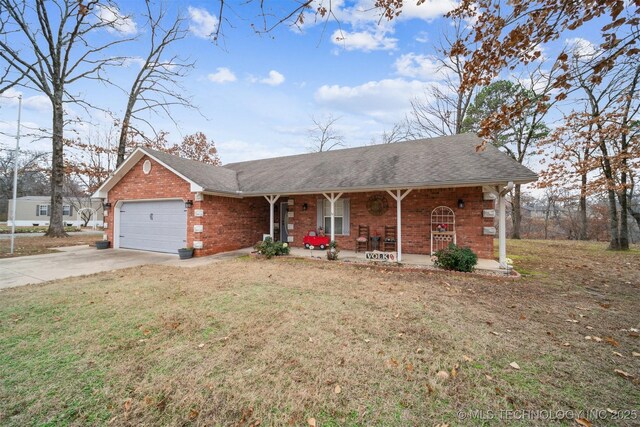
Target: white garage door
column 159, row 225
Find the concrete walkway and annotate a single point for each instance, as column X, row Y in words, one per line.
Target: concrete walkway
column 407, row 259
column 80, row 260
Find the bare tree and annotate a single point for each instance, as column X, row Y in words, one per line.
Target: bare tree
column 399, row 132
column 157, row 86
column 443, row 106
column 48, row 46
column 323, row 134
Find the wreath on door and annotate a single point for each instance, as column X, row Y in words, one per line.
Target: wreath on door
column 377, row 205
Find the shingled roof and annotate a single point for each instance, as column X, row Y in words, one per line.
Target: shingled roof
column 435, row 162
column 447, row 161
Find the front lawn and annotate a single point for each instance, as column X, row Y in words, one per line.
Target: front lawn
column 280, row 342
column 36, row 245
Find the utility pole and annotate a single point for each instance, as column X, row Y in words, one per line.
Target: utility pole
column 15, row 178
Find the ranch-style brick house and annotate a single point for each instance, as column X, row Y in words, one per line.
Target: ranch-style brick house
column 409, row 197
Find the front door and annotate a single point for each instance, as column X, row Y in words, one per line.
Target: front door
column 284, row 221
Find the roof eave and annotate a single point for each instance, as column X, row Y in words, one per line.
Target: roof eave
column 412, row 186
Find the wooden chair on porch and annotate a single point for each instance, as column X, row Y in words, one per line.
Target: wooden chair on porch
column 362, row 241
column 390, row 242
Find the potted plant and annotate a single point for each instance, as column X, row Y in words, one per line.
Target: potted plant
column 332, row 253
column 185, row 253
column 102, row 244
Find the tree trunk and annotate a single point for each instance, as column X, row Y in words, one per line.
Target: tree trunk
column 624, row 223
column 635, row 215
column 516, row 213
column 583, row 234
column 56, row 225
column 122, row 144
column 614, row 242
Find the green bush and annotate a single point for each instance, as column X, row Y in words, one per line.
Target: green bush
column 269, row 248
column 456, row 258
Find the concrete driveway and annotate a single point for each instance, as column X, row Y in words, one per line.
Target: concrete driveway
column 80, row 260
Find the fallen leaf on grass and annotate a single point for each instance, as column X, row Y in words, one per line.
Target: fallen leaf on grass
column 571, row 321
column 392, row 362
column 623, row 374
column 566, row 344
column 467, row 358
column 590, row 327
column 419, row 350
column 522, row 317
column 594, row 338
column 584, row 422
column 409, row 367
column 454, row 370
column 496, row 333
column 514, row 365
column 311, row 422
column 200, row 345
column 193, row 414
column 611, row 341
column 442, row 375
column 127, row 405
column 635, row 354
column 618, row 354
column 489, row 377
column 337, row 390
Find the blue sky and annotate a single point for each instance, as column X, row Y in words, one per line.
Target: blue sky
column 257, row 93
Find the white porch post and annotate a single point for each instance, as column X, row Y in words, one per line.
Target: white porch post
column 398, row 198
column 332, row 201
column 502, row 226
column 502, row 233
column 272, row 201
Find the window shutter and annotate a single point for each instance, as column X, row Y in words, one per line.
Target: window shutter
column 37, row 210
column 70, row 210
column 320, row 219
column 346, row 223
column 48, row 210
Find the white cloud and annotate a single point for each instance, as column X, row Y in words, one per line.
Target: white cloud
column 364, row 40
column 418, row 66
column 427, row 11
column 203, row 24
column 222, row 75
column 581, row 47
column 274, row 78
column 134, row 60
column 116, row 21
column 38, row 103
column 385, row 99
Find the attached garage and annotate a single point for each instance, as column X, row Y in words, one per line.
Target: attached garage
column 157, row 225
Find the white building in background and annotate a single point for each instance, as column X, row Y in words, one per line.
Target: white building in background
column 36, row 211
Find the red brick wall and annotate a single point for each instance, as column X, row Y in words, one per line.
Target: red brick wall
column 231, row 224
column 228, row 223
column 416, row 218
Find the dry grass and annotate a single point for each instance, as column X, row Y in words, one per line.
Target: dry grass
column 25, row 245
column 249, row 340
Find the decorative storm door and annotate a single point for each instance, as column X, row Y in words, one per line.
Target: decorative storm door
column 443, row 228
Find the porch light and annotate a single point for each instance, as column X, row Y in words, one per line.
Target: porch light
column 106, row 205
column 188, row 204
column 305, row 206
column 461, row 203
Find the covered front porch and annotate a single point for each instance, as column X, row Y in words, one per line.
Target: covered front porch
column 422, row 220
column 417, row 260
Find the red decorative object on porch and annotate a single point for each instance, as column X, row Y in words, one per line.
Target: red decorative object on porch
column 313, row 239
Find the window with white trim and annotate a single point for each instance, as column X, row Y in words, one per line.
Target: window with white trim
column 66, row 210
column 44, row 210
column 341, row 215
